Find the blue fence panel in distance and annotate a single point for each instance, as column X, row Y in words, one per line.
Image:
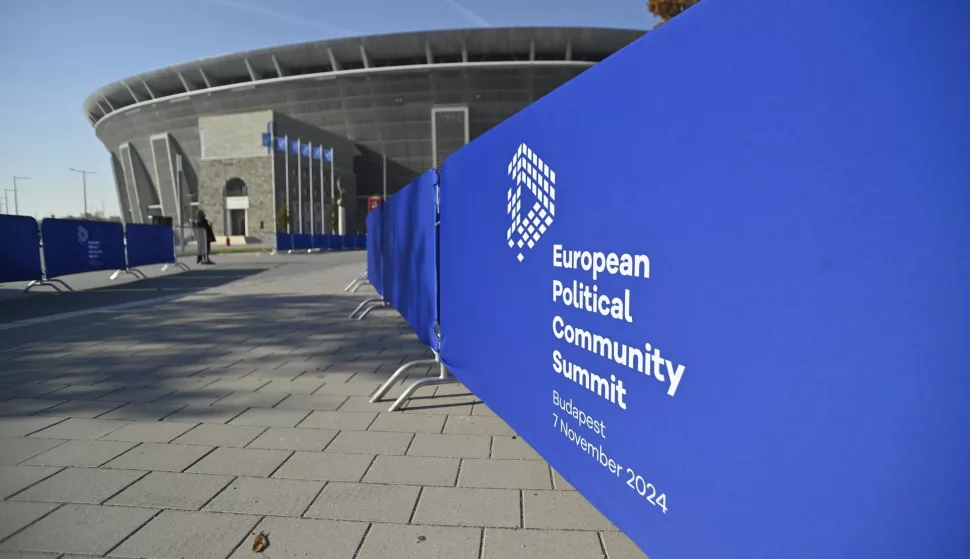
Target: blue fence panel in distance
column 284, row 241
column 735, row 318
column 149, row 244
column 361, row 242
column 410, row 255
column 74, row 246
column 302, row 241
column 19, row 249
column 375, row 256
column 320, row 241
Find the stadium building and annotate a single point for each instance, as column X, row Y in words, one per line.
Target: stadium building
column 389, row 106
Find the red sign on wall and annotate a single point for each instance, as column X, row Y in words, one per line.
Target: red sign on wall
column 373, row 202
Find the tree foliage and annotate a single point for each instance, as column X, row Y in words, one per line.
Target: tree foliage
column 667, row 9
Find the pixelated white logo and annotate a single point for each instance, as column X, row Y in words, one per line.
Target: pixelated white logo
column 527, row 169
column 82, row 234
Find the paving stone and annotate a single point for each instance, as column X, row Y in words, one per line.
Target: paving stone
column 561, row 510
column 183, row 384
column 142, row 412
column 293, row 538
column 238, row 384
column 370, row 442
column 501, row 543
column 33, row 390
column 80, row 392
column 294, row 438
column 504, row 474
column 483, row 410
column 362, row 404
column 279, row 497
column 361, row 389
column 15, row 515
column 188, row 535
column 461, row 506
column 169, row 490
column 84, row 429
column 560, row 482
column 513, row 448
column 240, row 462
column 322, row 402
column 477, row 425
column 80, row 453
column 202, row 397
column 297, row 386
column 84, row 529
column 14, row 450
column 250, row 400
column 17, row 478
column 81, row 408
column 450, row 446
column 619, row 546
column 404, row 423
column 136, row 394
column 325, row 466
column 270, row 417
column 421, row 542
column 340, row 420
column 26, row 406
column 413, row 470
column 444, row 405
column 160, row 457
column 214, row 434
column 149, row 432
column 365, row 502
column 22, row 426
column 205, row 414
column 80, row 485
column 37, row 555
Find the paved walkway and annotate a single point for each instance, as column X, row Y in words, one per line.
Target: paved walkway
column 237, row 403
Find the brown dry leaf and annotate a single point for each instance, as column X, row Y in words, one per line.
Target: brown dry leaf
column 260, row 542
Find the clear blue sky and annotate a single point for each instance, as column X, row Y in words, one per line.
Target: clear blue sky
column 56, row 52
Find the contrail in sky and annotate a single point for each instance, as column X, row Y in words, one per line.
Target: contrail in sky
column 470, row 14
column 282, row 16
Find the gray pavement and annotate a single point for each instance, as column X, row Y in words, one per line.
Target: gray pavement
column 178, row 417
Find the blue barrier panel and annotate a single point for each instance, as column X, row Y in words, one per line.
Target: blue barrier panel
column 320, row 241
column 73, row 246
column 410, row 255
column 19, row 249
column 719, row 280
column 375, row 257
column 361, row 242
column 149, row 244
column 284, row 241
column 302, row 242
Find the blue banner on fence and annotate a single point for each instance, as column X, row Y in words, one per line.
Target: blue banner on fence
column 375, row 256
column 19, row 249
column 149, row 244
column 74, row 246
column 302, row 242
column 410, row 255
column 735, row 316
column 284, row 241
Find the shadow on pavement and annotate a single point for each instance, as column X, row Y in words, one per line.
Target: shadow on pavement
column 44, row 301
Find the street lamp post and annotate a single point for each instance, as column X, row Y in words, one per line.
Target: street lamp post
column 16, row 203
column 84, row 184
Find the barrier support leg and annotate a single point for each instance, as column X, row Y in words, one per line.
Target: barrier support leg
column 356, row 280
column 398, row 374
column 443, row 378
column 133, row 271
column 47, row 283
column 363, row 304
column 177, row 264
column 367, row 311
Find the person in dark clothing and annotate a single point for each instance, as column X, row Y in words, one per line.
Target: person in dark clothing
column 203, row 238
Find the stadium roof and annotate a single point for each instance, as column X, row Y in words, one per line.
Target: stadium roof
column 355, row 55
